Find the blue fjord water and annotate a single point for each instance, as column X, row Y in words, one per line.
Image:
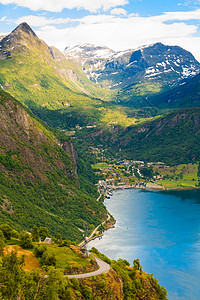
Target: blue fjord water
column 162, row 229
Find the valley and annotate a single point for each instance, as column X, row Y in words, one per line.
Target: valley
column 74, row 126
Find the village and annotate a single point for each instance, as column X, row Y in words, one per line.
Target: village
column 124, row 174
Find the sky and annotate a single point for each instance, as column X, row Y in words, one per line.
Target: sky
column 117, row 24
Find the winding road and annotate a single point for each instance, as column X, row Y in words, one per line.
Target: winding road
column 103, row 268
column 94, row 231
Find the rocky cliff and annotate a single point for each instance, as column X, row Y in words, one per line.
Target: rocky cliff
column 39, row 176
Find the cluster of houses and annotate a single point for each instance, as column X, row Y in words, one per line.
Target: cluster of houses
column 121, row 174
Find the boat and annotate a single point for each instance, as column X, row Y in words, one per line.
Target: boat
column 110, row 193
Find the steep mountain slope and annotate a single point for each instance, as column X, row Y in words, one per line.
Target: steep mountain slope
column 174, row 138
column 39, row 183
column 40, row 75
column 91, row 57
column 185, row 95
column 135, row 73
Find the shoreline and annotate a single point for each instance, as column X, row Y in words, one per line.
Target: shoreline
column 92, row 236
column 112, row 225
column 103, row 245
column 160, row 188
column 183, row 189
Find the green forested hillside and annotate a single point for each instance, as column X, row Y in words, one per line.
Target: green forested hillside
column 31, row 270
column 39, row 182
column 185, row 95
column 174, row 138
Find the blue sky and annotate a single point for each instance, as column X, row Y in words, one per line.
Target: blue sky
column 118, row 24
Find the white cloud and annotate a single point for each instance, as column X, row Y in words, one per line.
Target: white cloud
column 180, row 16
column 118, row 11
column 40, row 20
column 59, row 5
column 119, row 31
column 123, row 33
column 48, row 28
column 3, row 18
column 189, row 43
column 97, row 19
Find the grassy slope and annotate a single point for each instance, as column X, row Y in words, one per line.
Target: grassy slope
column 54, row 88
column 36, row 84
column 182, row 176
column 136, row 94
column 66, row 258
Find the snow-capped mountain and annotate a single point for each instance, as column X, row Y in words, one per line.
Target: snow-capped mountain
column 118, row 69
column 86, row 52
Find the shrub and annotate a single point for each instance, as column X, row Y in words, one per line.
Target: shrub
column 26, row 241
column 39, row 250
column 48, row 259
column 75, row 283
column 2, row 244
column 87, row 292
column 7, row 231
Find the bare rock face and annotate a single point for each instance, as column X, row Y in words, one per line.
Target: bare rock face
column 68, row 147
column 21, row 36
column 25, row 139
column 119, row 69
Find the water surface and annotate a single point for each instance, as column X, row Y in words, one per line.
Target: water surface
column 162, row 229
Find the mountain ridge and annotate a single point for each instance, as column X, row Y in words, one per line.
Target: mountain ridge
column 135, row 73
column 92, row 52
column 40, row 69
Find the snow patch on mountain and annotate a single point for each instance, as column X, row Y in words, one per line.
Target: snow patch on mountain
column 120, row 68
column 84, row 52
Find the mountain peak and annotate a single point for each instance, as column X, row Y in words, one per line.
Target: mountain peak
column 21, row 36
column 22, row 33
column 24, row 27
